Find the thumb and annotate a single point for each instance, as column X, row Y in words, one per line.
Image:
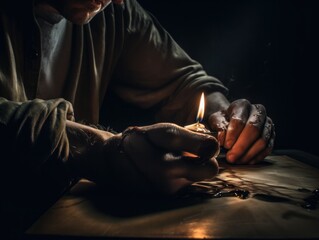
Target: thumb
column 174, row 138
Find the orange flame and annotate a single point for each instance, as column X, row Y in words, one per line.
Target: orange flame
column 201, row 109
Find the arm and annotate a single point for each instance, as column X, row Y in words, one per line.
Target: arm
column 33, row 150
column 33, row 139
column 40, row 143
column 144, row 160
column 85, row 144
column 38, row 138
column 154, row 71
column 159, row 73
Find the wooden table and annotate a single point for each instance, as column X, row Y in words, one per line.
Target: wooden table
column 275, row 207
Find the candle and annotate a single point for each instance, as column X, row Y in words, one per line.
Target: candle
column 198, row 126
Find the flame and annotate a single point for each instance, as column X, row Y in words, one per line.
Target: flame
column 201, row 109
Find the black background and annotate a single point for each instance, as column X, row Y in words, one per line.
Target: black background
column 263, row 50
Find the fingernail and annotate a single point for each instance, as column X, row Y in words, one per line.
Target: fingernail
column 231, row 158
column 228, row 144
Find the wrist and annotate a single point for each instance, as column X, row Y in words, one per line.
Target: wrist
column 85, row 147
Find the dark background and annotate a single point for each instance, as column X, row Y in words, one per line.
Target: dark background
column 263, row 50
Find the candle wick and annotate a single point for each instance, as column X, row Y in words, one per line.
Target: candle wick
column 197, row 125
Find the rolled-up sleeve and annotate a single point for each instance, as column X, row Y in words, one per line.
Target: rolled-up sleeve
column 34, row 131
column 34, row 150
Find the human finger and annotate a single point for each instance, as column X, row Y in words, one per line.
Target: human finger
column 165, row 170
column 238, row 113
column 261, row 144
column 249, row 135
column 261, row 156
column 218, row 122
column 174, row 138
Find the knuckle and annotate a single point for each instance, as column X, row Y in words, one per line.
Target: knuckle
column 239, row 103
column 236, row 120
column 242, row 101
column 260, row 109
column 172, row 131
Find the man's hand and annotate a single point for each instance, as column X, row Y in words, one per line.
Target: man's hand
column 245, row 130
column 151, row 159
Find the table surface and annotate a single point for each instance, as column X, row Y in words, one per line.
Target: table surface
column 275, row 199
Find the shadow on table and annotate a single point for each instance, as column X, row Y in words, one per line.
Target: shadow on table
column 129, row 205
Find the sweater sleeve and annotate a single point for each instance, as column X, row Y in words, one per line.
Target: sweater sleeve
column 34, row 149
column 154, row 70
column 34, row 131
